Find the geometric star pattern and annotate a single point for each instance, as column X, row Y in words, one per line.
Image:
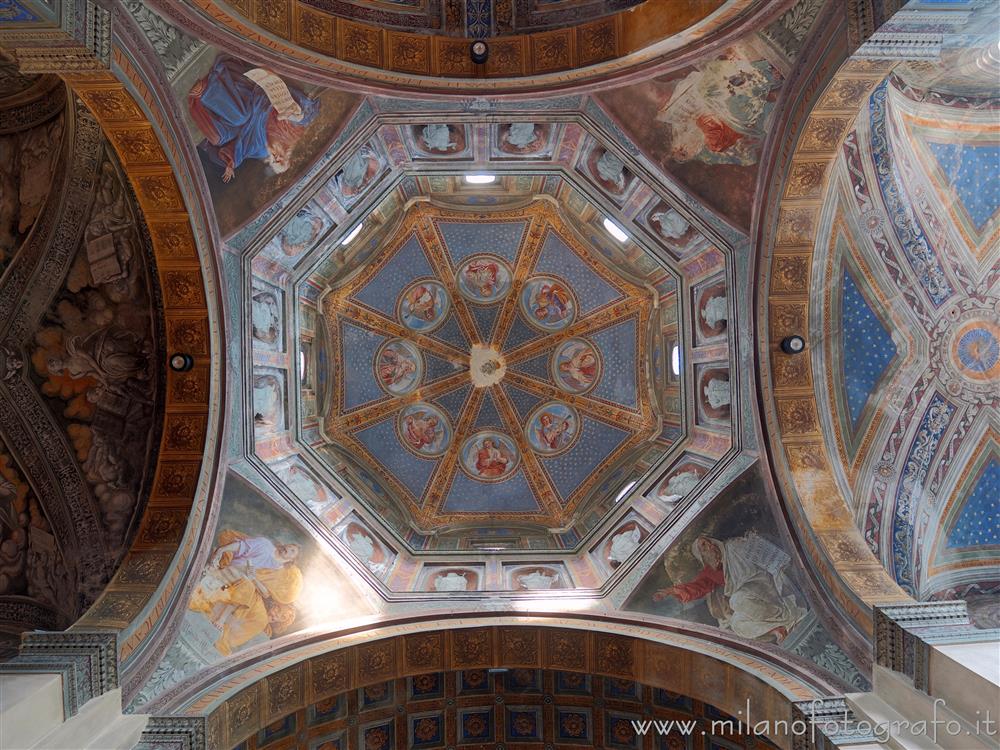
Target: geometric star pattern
column 488, row 366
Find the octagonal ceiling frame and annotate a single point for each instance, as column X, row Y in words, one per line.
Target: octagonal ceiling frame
column 665, row 190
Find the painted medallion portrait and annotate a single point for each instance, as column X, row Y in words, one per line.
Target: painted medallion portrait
column 552, row 428
column 576, row 366
column 398, row 367
column 424, row 429
column 489, row 456
column 423, row 306
column 484, row 279
column 548, row 303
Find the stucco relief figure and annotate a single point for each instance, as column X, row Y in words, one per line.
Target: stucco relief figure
column 265, row 317
column 611, row 172
column 537, row 580
column 744, row 585
column 679, row 485
column 437, row 137
column 307, row 489
column 670, row 224
column 301, row 232
column 715, row 311
column 451, row 581
column 249, row 588
column 521, row 135
column 268, row 407
column 715, row 114
column 248, row 114
column 623, row 544
column 358, row 172
column 717, row 393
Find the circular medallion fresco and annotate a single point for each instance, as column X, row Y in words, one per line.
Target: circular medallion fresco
column 489, row 456
column 424, row 429
column 976, row 350
column 548, row 303
column 552, row 428
column 399, row 367
column 423, row 305
column 576, row 365
column 484, row 279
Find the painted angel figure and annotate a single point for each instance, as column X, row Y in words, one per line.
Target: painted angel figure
column 420, row 302
column 422, row 431
column 395, row 368
column 553, row 431
column 551, row 303
column 492, row 458
column 483, row 275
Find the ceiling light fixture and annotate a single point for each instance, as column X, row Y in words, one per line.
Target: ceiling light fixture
column 614, row 230
column 352, row 234
column 625, row 490
column 480, row 179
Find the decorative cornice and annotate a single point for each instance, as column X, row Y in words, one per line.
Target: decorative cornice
column 827, row 723
column 174, row 733
column 86, row 660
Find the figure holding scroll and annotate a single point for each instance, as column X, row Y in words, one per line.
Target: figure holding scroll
column 248, row 113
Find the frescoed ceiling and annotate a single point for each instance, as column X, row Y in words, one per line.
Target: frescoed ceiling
column 912, row 247
column 489, row 367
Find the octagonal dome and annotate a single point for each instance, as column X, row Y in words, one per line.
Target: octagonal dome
column 489, row 369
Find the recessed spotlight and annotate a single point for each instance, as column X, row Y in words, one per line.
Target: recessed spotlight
column 480, row 179
column 352, row 234
column 614, row 230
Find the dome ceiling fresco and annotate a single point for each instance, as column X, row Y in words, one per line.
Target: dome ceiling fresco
column 489, row 367
column 912, row 245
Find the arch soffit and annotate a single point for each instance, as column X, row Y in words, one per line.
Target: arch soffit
column 848, row 569
column 245, row 697
column 150, row 574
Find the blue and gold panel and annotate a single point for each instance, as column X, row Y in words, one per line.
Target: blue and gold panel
column 597, row 441
column 384, row 290
column 592, row 290
column 671, row 700
column 523, row 724
column 380, row 735
column 276, row 730
column 523, row 401
column 463, row 239
column 426, row 730
column 425, row 686
column 382, row 441
column 523, row 681
column 375, row 696
column 618, row 346
column 358, row 350
column 475, row 725
column 520, row 333
column 623, row 690
column 13, row 12
column 474, row 682
column 332, row 741
column 619, row 731
column 574, row 726
column 572, row 683
column 512, row 495
column 326, row 710
column 978, row 521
